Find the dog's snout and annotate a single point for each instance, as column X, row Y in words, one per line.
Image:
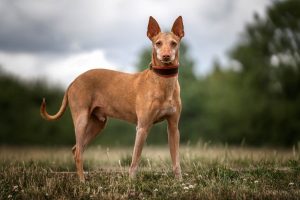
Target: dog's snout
column 166, row 57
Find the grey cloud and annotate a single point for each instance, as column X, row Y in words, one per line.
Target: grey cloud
column 119, row 27
column 219, row 11
column 25, row 28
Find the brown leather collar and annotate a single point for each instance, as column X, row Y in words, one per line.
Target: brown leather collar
column 165, row 71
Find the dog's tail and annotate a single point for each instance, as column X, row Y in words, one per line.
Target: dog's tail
column 61, row 111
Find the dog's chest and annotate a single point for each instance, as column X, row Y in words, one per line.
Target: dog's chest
column 167, row 108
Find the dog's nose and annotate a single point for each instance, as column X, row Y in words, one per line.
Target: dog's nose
column 166, row 57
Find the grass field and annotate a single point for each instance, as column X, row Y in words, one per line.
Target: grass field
column 208, row 173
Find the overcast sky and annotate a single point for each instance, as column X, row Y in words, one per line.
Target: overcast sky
column 59, row 40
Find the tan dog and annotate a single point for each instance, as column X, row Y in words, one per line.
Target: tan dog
column 143, row 98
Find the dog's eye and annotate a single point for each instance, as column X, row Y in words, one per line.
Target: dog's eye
column 158, row 43
column 173, row 44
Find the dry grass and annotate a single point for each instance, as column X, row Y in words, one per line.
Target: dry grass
column 208, row 173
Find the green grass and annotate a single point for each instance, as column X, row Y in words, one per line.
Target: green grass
column 208, row 173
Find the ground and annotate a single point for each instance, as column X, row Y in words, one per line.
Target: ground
column 208, row 173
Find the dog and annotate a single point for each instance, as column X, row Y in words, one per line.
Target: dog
column 143, row 98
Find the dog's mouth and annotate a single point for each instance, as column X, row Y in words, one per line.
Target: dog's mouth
column 166, row 61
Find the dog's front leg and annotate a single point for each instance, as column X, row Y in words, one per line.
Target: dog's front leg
column 140, row 138
column 174, row 140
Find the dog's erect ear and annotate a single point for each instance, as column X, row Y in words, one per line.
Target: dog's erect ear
column 177, row 28
column 153, row 28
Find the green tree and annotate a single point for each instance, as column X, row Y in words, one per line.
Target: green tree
column 270, row 74
column 20, row 122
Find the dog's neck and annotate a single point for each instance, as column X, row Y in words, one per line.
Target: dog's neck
column 165, row 71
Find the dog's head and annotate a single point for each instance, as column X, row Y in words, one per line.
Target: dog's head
column 165, row 45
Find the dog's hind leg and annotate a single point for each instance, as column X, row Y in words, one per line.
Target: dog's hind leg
column 94, row 127
column 81, row 124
